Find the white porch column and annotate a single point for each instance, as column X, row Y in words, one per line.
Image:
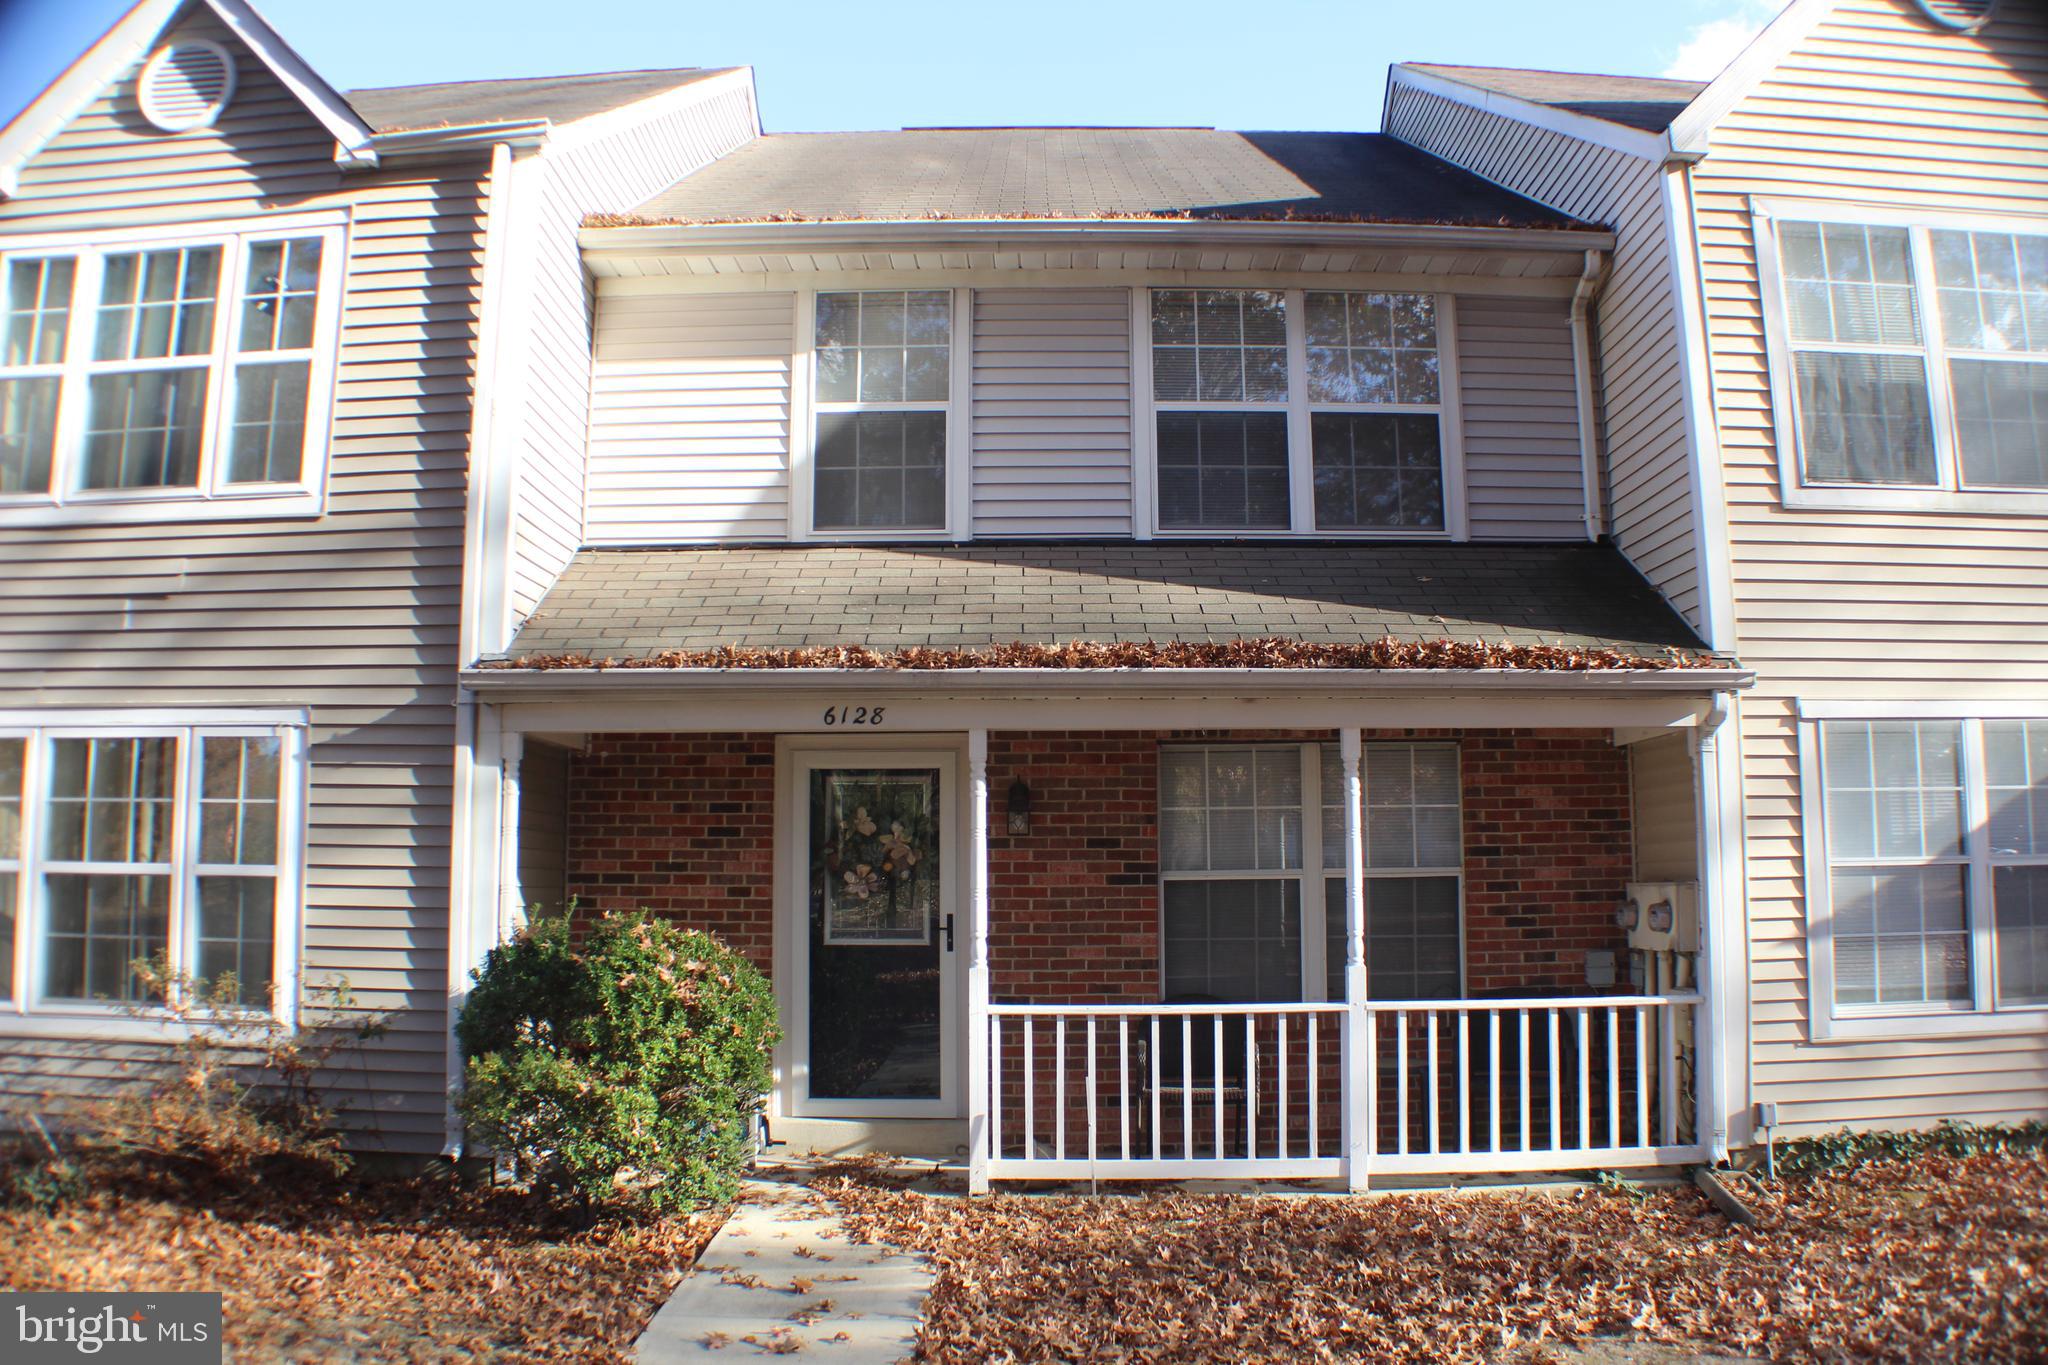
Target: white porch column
column 1357, row 1045
column 977, row 962
column 1721, row 1026
column 511, row 888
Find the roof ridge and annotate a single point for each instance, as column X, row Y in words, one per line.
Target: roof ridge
column 1555, row 71
column 528, row 80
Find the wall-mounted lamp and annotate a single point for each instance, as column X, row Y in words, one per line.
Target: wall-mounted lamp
column 1020, row 807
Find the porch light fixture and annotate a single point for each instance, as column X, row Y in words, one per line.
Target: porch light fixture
column 1019, row 804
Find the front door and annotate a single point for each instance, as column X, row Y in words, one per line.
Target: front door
column 873, row 861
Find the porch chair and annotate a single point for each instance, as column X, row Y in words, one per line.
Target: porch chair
column 1194, row 1069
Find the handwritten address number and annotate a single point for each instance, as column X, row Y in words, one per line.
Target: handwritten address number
column 854, row 715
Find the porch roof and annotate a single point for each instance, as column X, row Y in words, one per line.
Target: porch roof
column 622, row 605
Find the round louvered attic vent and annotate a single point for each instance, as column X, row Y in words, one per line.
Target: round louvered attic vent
column 1965, row 16
column 185, row 84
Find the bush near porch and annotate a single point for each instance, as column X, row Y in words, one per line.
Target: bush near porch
column 1935, row 1258
column 627, row 1066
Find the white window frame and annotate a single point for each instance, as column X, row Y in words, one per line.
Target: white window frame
column 1948, row 493
column 1369, row 873
column 67, row 502
column 28, row 1014
column 1298, row 409
column 1829, row 1021
column 805, row 409
column 1312, row 877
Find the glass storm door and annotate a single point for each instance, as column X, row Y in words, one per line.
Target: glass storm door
column 877, row 984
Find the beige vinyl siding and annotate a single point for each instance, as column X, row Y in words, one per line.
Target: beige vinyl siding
column 1647, row 470
column 689, row 421
column 353, row 614
column 612, row 172
column 1876, row 106
column 1051, row 412
column 1524, row 475
column 1666, row 824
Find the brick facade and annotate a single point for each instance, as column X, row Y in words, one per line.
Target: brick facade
column 684, row 825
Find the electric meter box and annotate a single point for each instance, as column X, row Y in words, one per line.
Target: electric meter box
column 1663, row 917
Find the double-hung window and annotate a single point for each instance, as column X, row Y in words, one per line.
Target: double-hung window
column 1909, row 358
column 192, row 369
column 1927, row 869
column 160, row 844
column 882, row 361
column 1298, row 411
column 1413, row 872
column 1242, row 915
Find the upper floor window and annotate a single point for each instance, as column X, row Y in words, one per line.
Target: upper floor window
column 1306, row 411
column 1912, row 359
column 1928, row 874
column 883, row 366
column 193, row 370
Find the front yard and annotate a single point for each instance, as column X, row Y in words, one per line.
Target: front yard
column 1938, row 1258
column 372, row 1271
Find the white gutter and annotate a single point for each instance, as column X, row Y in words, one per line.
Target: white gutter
column 1023, row 234
column 519, row 135
column 1582, row 372
column 1124, row 682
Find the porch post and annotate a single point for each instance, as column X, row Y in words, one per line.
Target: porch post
column 512, row 890
column 1357, row 1046
column 977, row 962
column 1719, row 1024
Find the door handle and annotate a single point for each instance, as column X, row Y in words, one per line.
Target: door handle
column 946, row 927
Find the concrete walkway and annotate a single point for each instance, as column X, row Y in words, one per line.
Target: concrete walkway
column 781, row 1277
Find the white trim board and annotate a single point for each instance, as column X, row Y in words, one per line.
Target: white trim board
column 130, row 39
column 1580, row 127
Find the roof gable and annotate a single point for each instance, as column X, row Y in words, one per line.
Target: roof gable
column 124, row 45
column 1645, row 103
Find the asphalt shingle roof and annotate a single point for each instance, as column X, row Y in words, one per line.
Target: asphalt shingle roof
column 1649, row 103
column 1090, row 173
column 636, row 603
column 560, row 99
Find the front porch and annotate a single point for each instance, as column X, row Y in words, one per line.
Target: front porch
column 1323, row 953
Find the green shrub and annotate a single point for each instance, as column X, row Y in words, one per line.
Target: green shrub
column 630, row 1066
column 1845, row 1150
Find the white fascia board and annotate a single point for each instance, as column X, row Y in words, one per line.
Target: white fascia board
column 130, row 39
column 522, row 135
column 1692, row 130
column 1210, row 682
column 352, row 136
column 1018, row 234
column 578, row 132
column 1583, row 127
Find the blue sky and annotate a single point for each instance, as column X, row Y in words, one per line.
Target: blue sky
column 828, row 64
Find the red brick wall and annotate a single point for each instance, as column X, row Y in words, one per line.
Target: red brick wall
column 684, row 825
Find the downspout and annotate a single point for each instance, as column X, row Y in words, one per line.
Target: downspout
column 1583, row 294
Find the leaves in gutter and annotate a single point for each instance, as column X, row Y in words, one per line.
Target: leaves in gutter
column 633, row 220
column 1264, row 653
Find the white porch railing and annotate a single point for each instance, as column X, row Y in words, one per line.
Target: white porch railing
column 1178, row 1091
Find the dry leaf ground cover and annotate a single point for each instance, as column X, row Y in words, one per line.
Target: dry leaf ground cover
column 1938, row 1258
column 373, row 1271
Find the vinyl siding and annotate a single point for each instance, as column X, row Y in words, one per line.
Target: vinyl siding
column 1051, row 412
column 1875, row 106
column 1666, row 823
column 1524, row 477
column 558, row 188
column 1647, row 471
column 353, row 615
column 689, row 422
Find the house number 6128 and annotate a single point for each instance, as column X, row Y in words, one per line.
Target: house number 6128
column 854, row 715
